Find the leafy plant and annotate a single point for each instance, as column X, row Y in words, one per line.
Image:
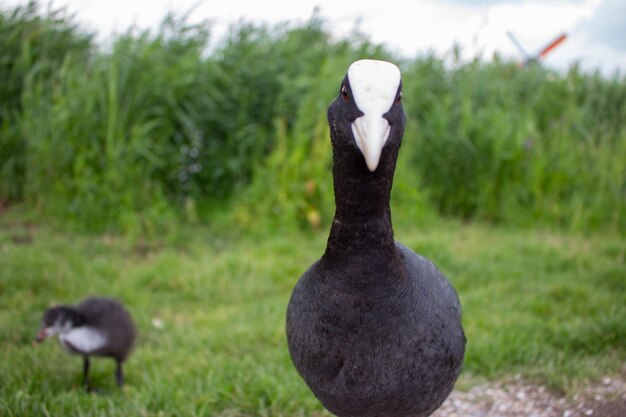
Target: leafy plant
column 164, row 128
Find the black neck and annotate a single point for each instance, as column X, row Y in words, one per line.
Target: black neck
column 362, row 223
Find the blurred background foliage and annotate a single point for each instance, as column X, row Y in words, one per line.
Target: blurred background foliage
column 171, row 127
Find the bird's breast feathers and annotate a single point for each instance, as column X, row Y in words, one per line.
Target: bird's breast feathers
column 83, row 340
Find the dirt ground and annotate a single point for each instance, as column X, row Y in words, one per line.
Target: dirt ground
column 518, row 398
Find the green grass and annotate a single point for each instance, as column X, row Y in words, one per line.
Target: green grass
column 549, row 305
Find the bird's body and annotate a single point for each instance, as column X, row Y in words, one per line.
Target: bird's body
column 378, row 348
column 373, row 328
column 98, row 326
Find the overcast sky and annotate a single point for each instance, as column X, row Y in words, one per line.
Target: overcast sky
column 596, row 29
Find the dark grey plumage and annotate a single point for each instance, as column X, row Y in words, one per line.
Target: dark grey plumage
column 373, row 328
column 98, row 326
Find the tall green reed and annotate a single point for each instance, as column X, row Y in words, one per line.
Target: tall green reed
column 31, row 39
column 520, row 146
column 162, row 128
column 102, row 142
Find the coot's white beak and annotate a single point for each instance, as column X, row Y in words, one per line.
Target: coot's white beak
column 371, row 133
column 374, row 87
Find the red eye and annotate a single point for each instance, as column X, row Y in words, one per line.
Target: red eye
column 344, row 94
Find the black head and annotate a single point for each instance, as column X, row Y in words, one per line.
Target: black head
column 367, row 118
column 56, row 320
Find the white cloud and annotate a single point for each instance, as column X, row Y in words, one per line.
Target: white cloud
column 534, row 25
column 595, row 27
column 607, row 26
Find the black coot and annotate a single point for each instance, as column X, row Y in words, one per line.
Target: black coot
column 373, row 328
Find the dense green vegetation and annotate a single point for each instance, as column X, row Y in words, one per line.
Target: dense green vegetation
column 30, row 43
column 548, row 305
column 160, row 129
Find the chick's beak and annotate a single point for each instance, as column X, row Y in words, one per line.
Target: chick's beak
column 41, row 336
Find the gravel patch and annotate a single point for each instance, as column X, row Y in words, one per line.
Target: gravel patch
column 516, row 398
